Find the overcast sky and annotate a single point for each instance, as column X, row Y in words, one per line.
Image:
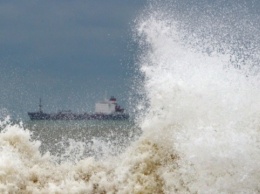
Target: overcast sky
column 69, row 53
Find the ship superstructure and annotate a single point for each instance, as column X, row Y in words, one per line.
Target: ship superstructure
column 108, row 107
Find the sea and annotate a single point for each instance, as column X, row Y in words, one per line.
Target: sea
column 195, row 127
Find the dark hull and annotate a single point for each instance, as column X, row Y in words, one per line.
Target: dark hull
column 38, row 116
column 73, row 116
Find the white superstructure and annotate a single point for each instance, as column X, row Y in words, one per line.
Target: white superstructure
column 106, row 107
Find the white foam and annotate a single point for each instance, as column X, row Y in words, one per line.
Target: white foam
column 24, row 170
column 208, row 108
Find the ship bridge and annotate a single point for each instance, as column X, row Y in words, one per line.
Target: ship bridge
column 106, row 107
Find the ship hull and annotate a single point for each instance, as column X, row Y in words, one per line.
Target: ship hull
column 38, row 116
column 72, row 116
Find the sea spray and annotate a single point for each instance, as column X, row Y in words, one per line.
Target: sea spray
column 204, row 101
column 143, row 168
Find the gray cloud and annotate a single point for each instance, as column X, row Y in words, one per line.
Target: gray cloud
column 60, row 49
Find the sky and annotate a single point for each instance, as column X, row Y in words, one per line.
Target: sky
column 69, row 53
column 73, row 53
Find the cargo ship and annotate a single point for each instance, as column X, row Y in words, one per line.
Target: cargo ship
column 105, row 110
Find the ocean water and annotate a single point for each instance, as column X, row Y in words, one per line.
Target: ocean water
column 198, row 123
column 76, row 140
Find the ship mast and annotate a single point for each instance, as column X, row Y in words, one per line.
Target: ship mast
column 40, row 105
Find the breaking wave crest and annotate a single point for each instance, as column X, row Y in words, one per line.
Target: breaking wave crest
column 23, row 169
column 203, row 94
